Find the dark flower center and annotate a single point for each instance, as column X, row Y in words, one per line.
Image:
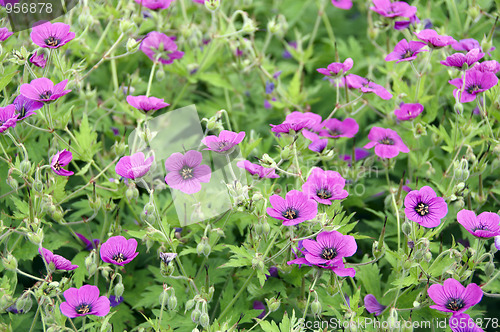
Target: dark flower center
column 455, row 304
column 290, row 213
column 480, row 227
column 473, row 88
column 83, row 308
column 422, row 209
column 324, row 193
column 407, row 54
column 386, row 141
column 335, row 132
column 328, row 253
column 46, row 95
column 52, row 41
column 186, row 173
column 57, row 166
column 223, row 145
column 119, row 257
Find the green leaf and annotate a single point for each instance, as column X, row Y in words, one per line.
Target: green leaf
column 7, row 77
column 86, row 138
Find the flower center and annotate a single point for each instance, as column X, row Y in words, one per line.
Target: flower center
column 186, row 173
column 119, row 258
column 455, row 304
column 57, row 166
column 328, row 253
column 480, row 227
column 324, row 193
column 473, row 88
column 407, row 54
column 223, row 145
column 290, row 213
column 46, row 95
column 83, row 308
column 386, row 141
column 422, row 209
column 52, row 41
column 335, row 132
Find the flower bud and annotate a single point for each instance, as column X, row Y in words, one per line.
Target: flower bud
column 204, row 320
column 35, row 237
column 38, row 186
column 428, row 256
column 163, row 298
column 273, row 304
column 265, row 227
column 406, row 228
column 160, row 74
column 127, row 26
column 94, row 202
column 416, row 304
column 285, row 153
column 132, row 45
column 316, row 308
column 119, row 148
column 119, row 289
column 25, row 166
column 9, row 262
column 195, row 316
column 459, row 108
column 486, row 44
column 189, row 305
column 489, row 269
column 12, row 183
column 212, row 5
column 172, row 303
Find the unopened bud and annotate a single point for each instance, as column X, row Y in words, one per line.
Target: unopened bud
column 132, row 45
column 195, row 316
column 172, row 303
column 12, row 183
column 273, row 304
column 489, row 268
column 316, row 308
column 119, row 290
column 285, row 153
column 9, row 262
column 204, row 320
column 406, row 228
column 212, row 5
column 25, row 166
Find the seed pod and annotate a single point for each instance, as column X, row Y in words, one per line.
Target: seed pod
column 204, row 320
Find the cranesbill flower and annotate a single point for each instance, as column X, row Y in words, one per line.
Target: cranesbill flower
column 225, row 142
column 42, row 89
column 393, row 9
column 134, row 166
column 359, row 154
column 147, row 105
column 84, row 301
column 60, row 263
column 328, row 251
column 408, row 111
column 295, row 208
column 387, row 142
column 114, row 301
column 336, row 128
column 160, row 48
column 286, row 54
column 318, row 145
column 497, row 242
column 155, row 4
column 4, row 34
column 260, row 171
column 257, row 305
column 336, row 68
column 405, row 51
column 8, row 117
column 186, row 171
column 458, row 60
column 424, row 207
column 488, row 66
column 469, row 44
column 475, row 83
column 366, row 86
column 89, row 245
column 118, row 250
column 372, row 305
column 26, row 107
column 433, row 39
column 486, row 225
column 314, row 120
column 453, row 297
column 51, row 35
column 59, row 160
column 325, row 186
column 342, row 4
column 463, row 323
column 167, row 257
column 38, row 59
column 401, row 25
column 287, row 127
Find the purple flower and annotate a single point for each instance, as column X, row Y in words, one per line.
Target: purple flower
column 488, row 66
column 59, row 160
column 51, row 35
column 453, row 297
column 186, row 171
column 433, row 39
column 225, row 143
column 401, row 25
column 463, row 323
column 155, row 4
column 387, row 142
column 167, row 257
column 4, row 34
column 60, row 263
column 497, row 242
column 25, row 107
column 267, row 103
column 408, row 111
column 424, row 207
column 342, row 4
column 160, row 48
column 336, row 68
column 288, row 126
column 475, row 82
column 38, row 60
column 113, row 301
column 325, row 186
column 359, row 154
column 295, row 208
column 336, row 128
column 89, row 245
column 134, row 166
column 405, row 51
column 42, row 89
column 269, row 87
column 8, row 117
column 372, row 305
column 257, row 305
column 469, row 44
column 357, row 82
column 486, row 225
column 146, row 104
column 314, row 120
column 328, row 251
column 286, row 54
column 458, row 60
column 393, row 9
column 118, row 250
column 84, row 301
column 273, row 272
column 318, row 145
column 260, row 171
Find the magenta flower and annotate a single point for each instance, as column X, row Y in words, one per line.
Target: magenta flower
column 60, row 263
column 295, row 208
column 118, row 250
column 225, row 143
column 84, row 301
column 314, row 120
column 134, row 166
column 463, row 323
column 89, row 245
column 488, row 66
column 336, row 128
column 287, row 127
column 186, row 171
column 408, row 111
column 51, row 35
column 486, row 225
column 393, row 9
column 146, row 104
column 469, row 44
column 458, row 60
column 4, row 34
column 475, row 82
column 42, row 89
column 317, row 144
column 342, row 4
column 372, row 305
column 434, row 40
column 59, row 160
column 405, row 51
column 336, row 68
column 160, row 48
column 260, row 171
column 357, row 82
column 401, row 25
column 453, row 297
column 38, row 60
column 325, row 186
column 387, row 142
column 328, row 251
column 359, row 154
column 26, row 107
column 155, row 4
column 497, row 242
column 424, row 207
column 8, row 117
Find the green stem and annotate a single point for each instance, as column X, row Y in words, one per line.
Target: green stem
column 318, row 274
column 151, row 75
